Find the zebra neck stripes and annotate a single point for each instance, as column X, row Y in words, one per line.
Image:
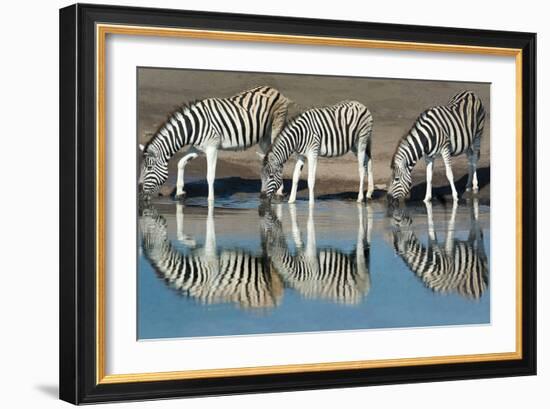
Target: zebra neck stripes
column 181, row 128
column 284, row 146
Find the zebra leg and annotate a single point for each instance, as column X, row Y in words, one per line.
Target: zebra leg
column 179, row 222
column 470, row 171
column 361, row 163
column 474, row 222
column 186, row 239
column 449, row 240
column 449, row 172
column 475, row 187
column 211, row 158
column 210, row 238
column 279, row 211
column 473, row 157
column 296, row 178
column 311, row 246
column 370, row 177
column 295, row 229
column 362, row 248
column 311, row 170
column 429, row 214
column 429, row 174
column 187, row 157
column 473, row 165
column 370, row 221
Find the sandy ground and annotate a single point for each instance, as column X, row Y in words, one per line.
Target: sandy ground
column 395, row 104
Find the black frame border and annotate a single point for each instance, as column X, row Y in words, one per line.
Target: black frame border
column 78, row 197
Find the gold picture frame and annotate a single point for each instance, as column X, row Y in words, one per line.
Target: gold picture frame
column 99, row 21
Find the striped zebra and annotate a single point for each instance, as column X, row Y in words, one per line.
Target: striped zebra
column 327, row 132
column 459, row 266
column 204, row 274
column 446, row 131
column 319, row 273
column 252, row 117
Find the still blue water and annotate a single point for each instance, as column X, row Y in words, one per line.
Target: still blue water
column 297, row 255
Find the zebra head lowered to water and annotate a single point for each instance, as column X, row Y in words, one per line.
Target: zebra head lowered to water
column 446, row 131
column 154, row 170
column 252, row 117
column 271, row 177
column 330, row 131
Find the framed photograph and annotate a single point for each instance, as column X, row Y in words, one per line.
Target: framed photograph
column 257, row 203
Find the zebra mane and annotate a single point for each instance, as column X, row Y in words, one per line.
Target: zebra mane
column 182, row 108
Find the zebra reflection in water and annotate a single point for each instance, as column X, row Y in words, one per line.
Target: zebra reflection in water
column 459, row 266
column 204, row 273
column 319, row 273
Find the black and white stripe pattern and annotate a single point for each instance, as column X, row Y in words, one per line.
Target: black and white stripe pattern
column 445, row 131
column 318, row 273
column 327, row 132
column 252, row 117
column 460, row 266
column 209, row 276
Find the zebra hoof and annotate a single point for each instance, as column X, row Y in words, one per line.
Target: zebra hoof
column 181, row 196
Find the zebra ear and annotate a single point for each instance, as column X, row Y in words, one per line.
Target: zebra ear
column 141, row 147
column 260, row 155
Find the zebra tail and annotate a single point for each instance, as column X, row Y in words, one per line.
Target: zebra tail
column 370, row 124
column 369, row 143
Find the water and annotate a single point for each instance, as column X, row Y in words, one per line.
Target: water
column 240, row 268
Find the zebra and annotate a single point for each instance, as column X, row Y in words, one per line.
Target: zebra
column 204, row 273
column 327, row 132
column 446, row 131
column 319, row 273
column 460, row 266
column 251, row 117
